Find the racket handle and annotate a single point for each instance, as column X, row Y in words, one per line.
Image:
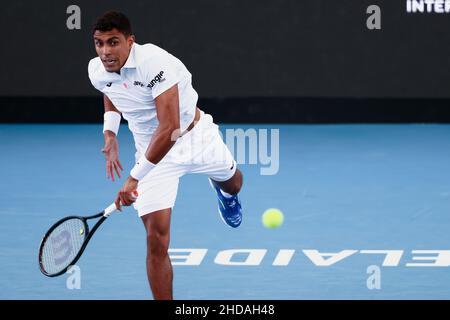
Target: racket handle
column 110, row 210
column 113, row 207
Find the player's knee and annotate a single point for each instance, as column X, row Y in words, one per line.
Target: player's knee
column 157, row 244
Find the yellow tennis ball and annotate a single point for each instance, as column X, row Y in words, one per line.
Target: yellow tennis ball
column 272, row 218
column 81, row 231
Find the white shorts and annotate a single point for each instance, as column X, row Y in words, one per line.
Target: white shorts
column 200, row 150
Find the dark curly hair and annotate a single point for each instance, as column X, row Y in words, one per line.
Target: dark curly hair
column 113, row 20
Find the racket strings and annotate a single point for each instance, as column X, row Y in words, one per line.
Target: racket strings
column 62, row 245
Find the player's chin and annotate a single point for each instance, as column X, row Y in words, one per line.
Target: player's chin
column 111, row 67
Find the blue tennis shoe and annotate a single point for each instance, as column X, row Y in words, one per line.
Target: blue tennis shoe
column 229, row 208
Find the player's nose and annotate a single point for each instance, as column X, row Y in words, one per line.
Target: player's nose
column 105, row 52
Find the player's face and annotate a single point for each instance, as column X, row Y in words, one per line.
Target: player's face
column 113, row 48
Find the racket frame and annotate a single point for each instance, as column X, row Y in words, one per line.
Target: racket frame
column 87, row 236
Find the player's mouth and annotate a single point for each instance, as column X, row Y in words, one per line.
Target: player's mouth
column 109, row 62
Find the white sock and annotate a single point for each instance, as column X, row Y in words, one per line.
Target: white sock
column 226, row 195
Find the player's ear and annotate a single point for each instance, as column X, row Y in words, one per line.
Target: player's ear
column 130, row 40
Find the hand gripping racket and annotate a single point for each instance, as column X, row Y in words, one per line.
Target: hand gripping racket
column 65, row 241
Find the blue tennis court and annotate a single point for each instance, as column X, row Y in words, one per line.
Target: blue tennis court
column 341, row 187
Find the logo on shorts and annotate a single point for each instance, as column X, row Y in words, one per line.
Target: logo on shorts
column 158, row 79
column 109, row 84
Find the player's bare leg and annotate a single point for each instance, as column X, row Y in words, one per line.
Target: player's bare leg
column 232, row 185
column 159, row 267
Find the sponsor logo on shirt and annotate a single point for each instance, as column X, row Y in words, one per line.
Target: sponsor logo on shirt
column 158, row 79
column 138, row 83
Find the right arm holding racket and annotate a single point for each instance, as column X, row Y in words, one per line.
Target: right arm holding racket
column 111, row 151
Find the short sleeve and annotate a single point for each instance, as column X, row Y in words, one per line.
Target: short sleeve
column 162, row 74
column 93, row 69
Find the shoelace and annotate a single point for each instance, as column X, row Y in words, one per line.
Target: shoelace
column 231, row 202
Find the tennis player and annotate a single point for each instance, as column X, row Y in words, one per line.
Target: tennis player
column 152, row 90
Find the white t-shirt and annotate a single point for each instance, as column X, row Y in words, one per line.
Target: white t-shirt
column 148, row 72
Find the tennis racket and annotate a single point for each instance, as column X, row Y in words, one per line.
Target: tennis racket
column 65, row 241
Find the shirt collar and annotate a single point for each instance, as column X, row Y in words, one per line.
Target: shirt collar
column 131, row 61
